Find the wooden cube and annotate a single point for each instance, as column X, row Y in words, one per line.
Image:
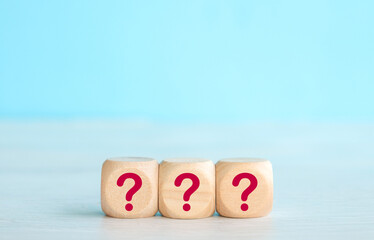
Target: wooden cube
column 129, row 187
column 187, row 188
column 244, row 187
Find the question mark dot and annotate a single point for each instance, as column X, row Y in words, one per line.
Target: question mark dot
column 244, row 207
column 128, row 207
column 186, row 207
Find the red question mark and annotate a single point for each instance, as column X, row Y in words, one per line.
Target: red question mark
column 133, row 190
column 195, row 185
column 248, row 190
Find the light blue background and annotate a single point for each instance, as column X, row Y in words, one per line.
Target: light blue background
column 187, row 60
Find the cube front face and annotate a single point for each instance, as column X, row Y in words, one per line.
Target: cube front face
column 244, row 189
column 129, row 189
column 187, row 189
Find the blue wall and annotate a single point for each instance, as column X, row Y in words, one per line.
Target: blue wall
column 187, row 60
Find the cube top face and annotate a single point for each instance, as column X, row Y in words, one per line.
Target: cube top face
column 129, row 188
column 244, row 187
column 128, row 160
column 187, row 188
column 186, row 160
column 243, row 160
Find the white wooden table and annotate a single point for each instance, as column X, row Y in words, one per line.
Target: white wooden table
column 50, row 178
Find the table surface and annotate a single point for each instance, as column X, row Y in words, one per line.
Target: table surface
column 50, row 178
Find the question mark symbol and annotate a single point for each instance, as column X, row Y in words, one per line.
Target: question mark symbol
column 133, row 190
column 195, row 185
column 248, row 190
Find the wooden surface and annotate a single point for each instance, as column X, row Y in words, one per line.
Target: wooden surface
column 180, row 175
column 129, row 187
column 244, row 187
column 50, row 178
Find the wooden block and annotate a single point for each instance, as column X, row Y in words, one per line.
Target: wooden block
column 244, row 187
column 129, row 187
column 187, row 188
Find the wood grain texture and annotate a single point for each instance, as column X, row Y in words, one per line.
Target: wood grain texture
column 50, row 179
column 201, row 202
column 116, row 184
column 255, row 174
